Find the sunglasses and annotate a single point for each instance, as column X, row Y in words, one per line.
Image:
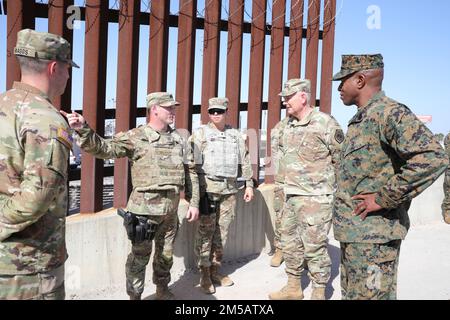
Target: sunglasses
column 218, row 111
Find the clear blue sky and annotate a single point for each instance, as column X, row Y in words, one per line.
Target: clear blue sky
column 410, row 35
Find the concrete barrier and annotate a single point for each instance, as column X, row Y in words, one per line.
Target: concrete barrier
column 98, row 246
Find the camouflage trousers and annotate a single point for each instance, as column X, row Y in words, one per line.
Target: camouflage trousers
column 369, row 270
column 140, row 253
column 212, row 232
column 305, row 224
column 278, row 202
column 446, row 202
column 39, row 286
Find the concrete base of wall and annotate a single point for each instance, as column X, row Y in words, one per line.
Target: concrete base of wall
column 98, row 246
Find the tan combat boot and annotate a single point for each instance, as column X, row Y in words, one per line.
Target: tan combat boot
column 291, row 291
column 277, row 258
column 220, row 279
column 447, row 217
column 163, row 293
column 318, row 293
column 205, row 281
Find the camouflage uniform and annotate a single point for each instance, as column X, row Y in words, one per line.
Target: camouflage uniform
column 309, row 152
column 212, row 231
column 158, row 176
column 387, row 151
column 446, row 202
column 278, row 202
column 34, row 152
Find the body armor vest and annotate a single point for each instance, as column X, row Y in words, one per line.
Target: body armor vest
column 161, row 162
column 221, row 153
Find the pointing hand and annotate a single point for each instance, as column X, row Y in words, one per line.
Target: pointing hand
column 76, row 121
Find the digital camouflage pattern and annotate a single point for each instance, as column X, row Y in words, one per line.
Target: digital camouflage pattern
column 158, row 162
column 304, row 229
column 212, row 231
column 390, row 152
column 43, row 45
column 278, row 201
column 34, row 152
column 369, row 271
column 310, row 153
column 354, row 63
column 446, row 202
column 38, row 286
column 165, row 215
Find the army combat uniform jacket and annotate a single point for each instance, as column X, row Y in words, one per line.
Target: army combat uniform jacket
column 217, row 184
column 276, row 136
column 390, row 152
column 159, row 161
column 34, row 152
column 308, row 154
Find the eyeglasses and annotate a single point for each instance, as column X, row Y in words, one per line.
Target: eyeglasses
column 218, row 111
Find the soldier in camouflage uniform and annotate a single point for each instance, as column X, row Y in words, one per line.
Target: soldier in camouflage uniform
column 446, row 202
column 220, row 152
column 278, row 201
column 309, row 150
column 158, row 155
column 388, row 157
column 34, row 152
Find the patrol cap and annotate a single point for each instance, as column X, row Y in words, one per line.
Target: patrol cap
column 295, row 85
column 43, row 45
column 163, row 99
column 218, row 103
column 352, row 63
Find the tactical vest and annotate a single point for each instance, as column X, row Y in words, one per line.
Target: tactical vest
column 161, row 163
column 221, row 153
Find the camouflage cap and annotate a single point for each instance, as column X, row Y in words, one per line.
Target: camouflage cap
column 353, row 63
column 163, row 99
column 218, row 103
column 295, row 85
column 43, row 45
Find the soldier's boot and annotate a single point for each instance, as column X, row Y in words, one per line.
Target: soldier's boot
column 135, row 296
column 447, row 217
column 163, row 293
column 220, row 279
column 277, row 258
column 291, row 291
column 205, row 281
column 318, row 293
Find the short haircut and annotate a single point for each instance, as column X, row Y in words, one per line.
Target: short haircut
column 32, row 65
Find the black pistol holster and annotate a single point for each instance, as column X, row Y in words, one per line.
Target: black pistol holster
column 139, row 227
column 208, row 206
